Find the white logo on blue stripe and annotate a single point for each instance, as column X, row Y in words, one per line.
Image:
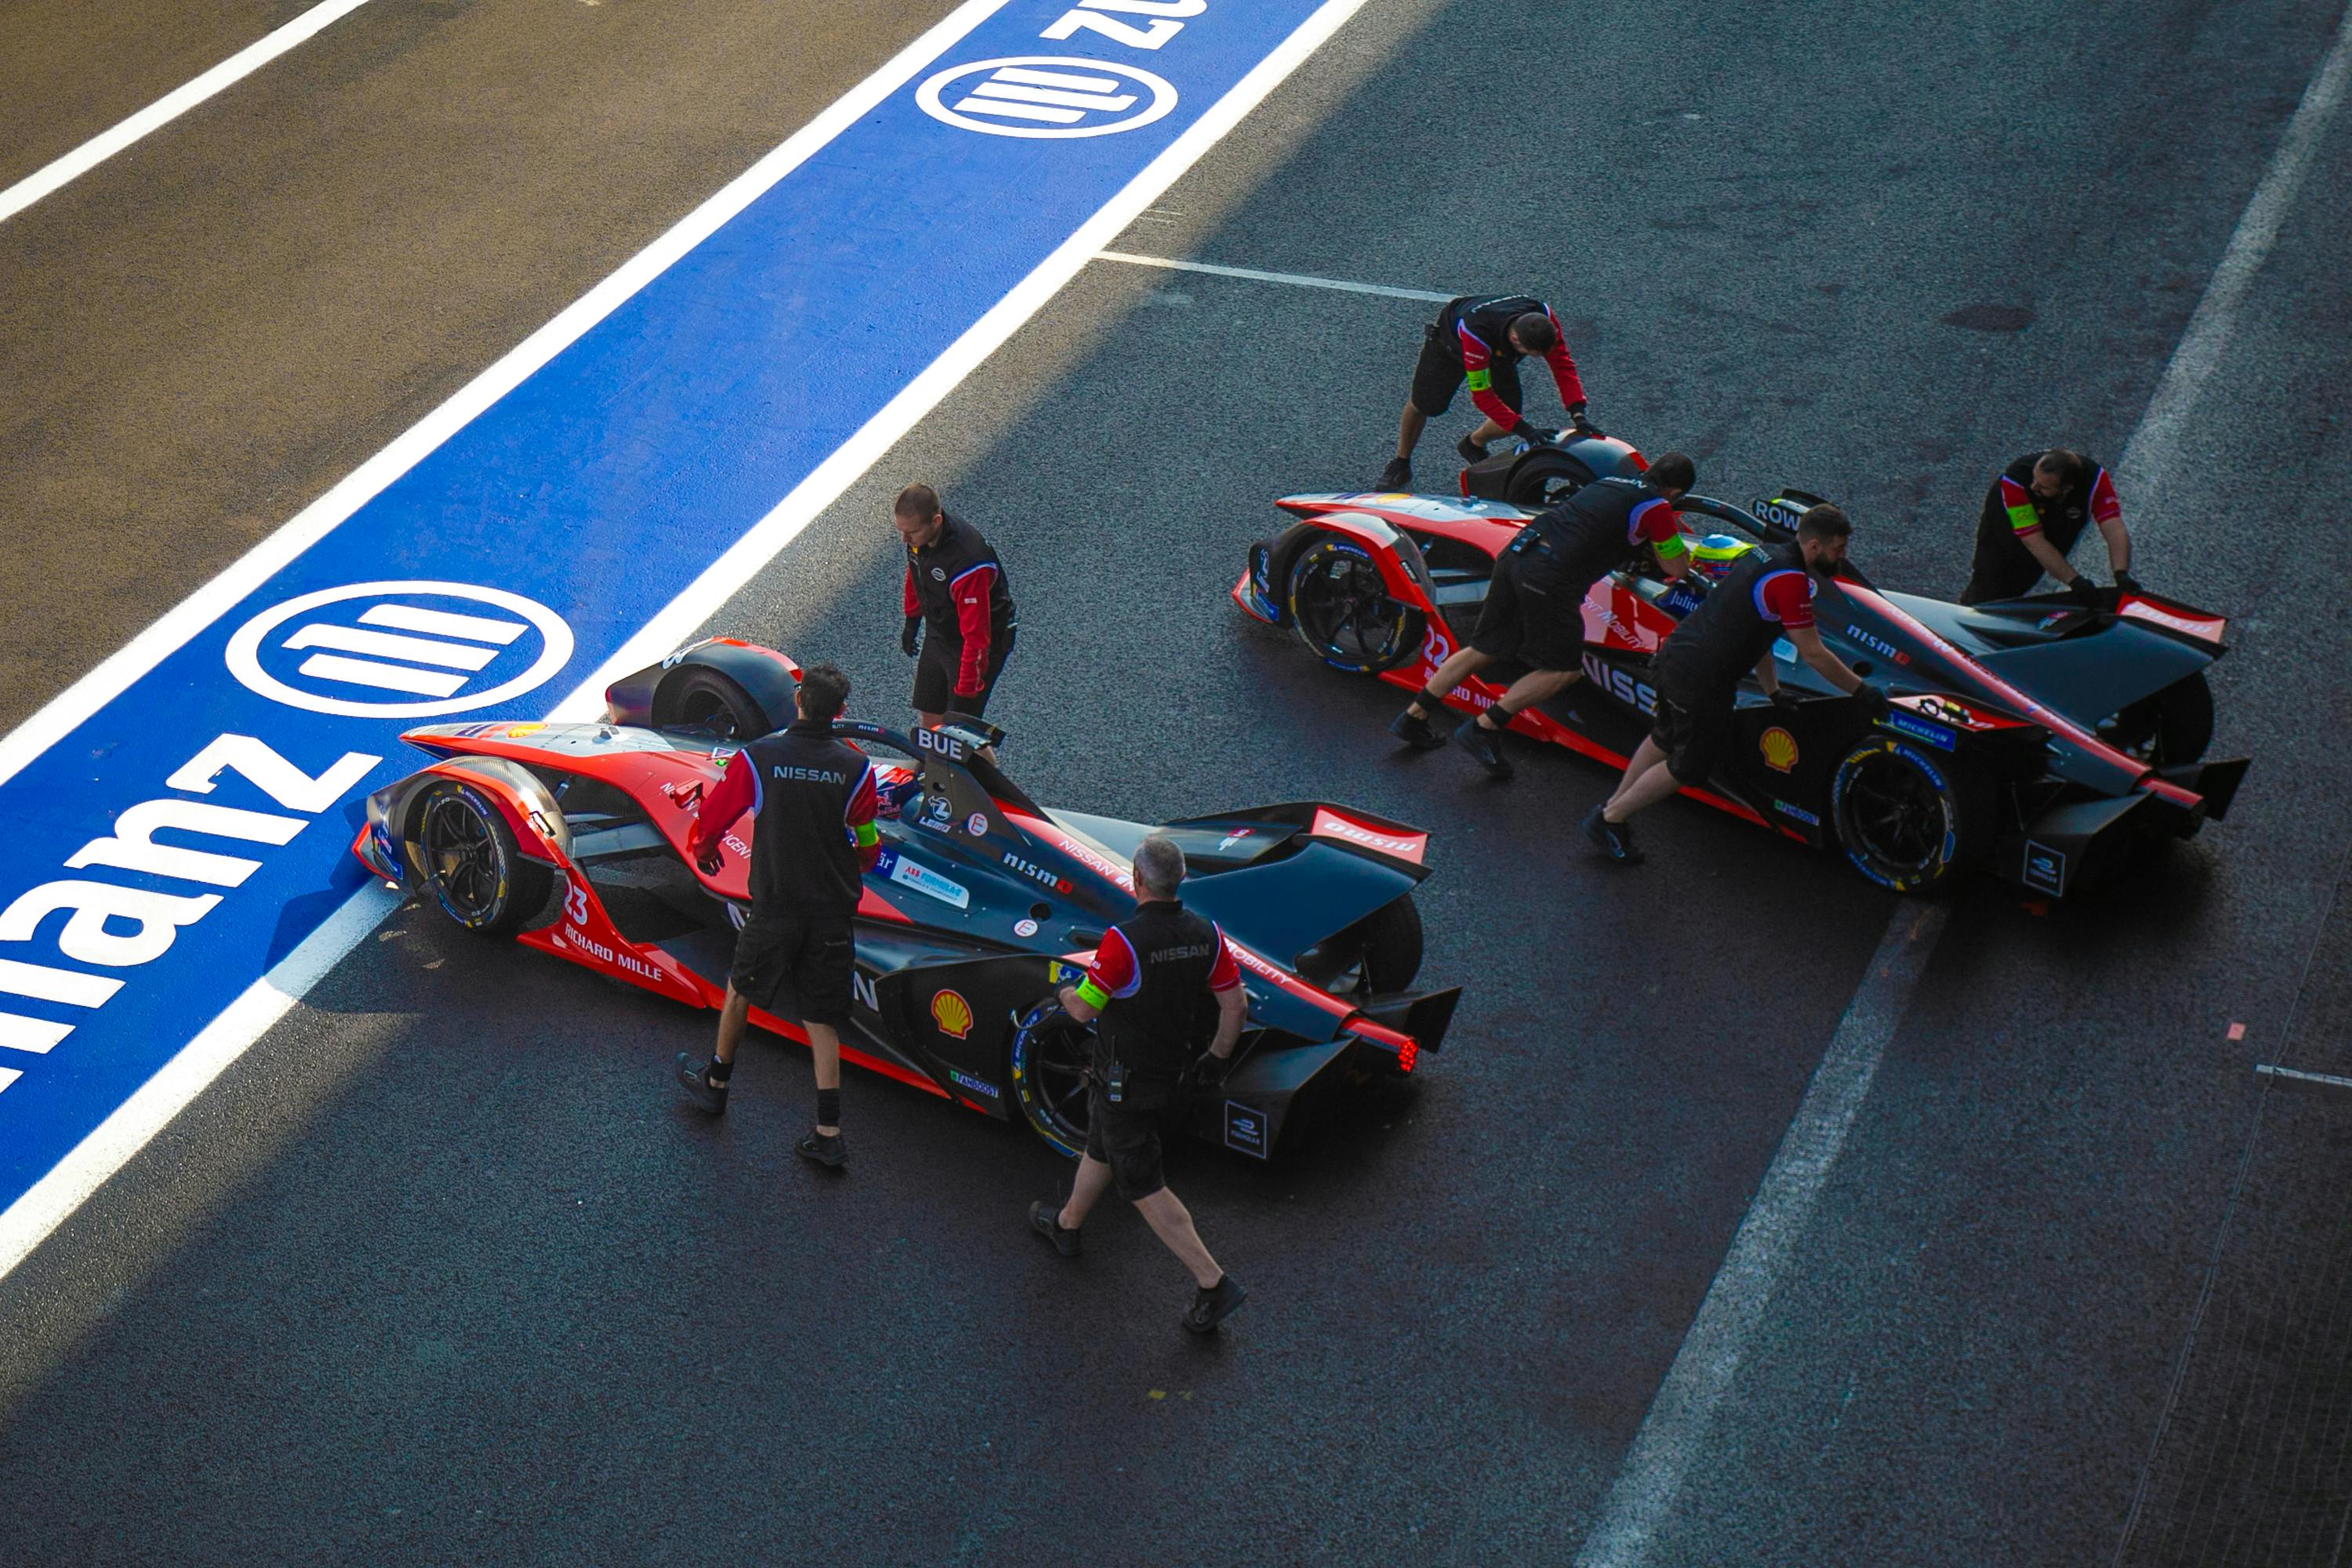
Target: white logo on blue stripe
column 399, row 650
column 1045, row 96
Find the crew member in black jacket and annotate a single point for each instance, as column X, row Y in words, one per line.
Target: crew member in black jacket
column 1163, row 981
column 812, row 799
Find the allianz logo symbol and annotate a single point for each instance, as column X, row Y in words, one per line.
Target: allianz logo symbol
column 1045, row 96
column 399, row 649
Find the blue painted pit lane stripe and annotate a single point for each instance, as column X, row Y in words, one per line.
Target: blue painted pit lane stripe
column 753, row 352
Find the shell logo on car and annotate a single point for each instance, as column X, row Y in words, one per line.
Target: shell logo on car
column 952, row 1014
column 1780, row 749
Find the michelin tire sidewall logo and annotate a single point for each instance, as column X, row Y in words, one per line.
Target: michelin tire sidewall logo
column 243, row 655
column 933, row 94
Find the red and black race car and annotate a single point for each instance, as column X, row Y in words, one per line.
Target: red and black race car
column 572, row 838
column 2037, row 738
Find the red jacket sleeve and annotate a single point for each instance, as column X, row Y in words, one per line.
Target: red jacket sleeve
column 914, row 606
column 1227, row 973
column 1478, row 375
column 2105, row 505
column 1113, row 969
column 864, row 801
column 738, row 791
column 1563, row 367
column 1789, row 599
column 971, row 591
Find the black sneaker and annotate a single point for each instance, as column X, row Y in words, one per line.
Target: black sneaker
column 1215, row 1305
column 1471, row 451
column 706, row 1095
column 1614, row 839
column 832, row 1152
column 1397, row 476
column 1415, row 731
column 1046, row 1219
column 1485, row 744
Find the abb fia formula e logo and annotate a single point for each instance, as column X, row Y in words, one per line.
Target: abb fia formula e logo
column 399, row 650
column 1045, row 96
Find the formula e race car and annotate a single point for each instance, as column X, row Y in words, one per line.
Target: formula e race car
column 2037, row 738
column 572, row 838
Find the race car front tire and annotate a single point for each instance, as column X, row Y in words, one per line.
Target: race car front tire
column 1545, row 480
column 473, row 866
column 1343, row 610
column 1051, row 1051
column 717, row 704
column 1905, row 821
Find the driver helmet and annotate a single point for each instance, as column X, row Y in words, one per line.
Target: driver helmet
column 894, row 786
column 1712, row 557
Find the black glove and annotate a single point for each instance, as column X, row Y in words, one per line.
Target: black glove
column 2126, row 583
column 1206, row 1071
column 910, row 635
column 711, row 860
column 1784, row 698
column 1874, row 701
column 1576, row 419
column 1533, row 435
column 2083, row 592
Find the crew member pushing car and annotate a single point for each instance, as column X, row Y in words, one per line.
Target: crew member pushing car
column 1767, row 595
column 956, row 592
column 1163, row 980
column 2032, row 515
column 1535, row 601
column 1479, row 343
column 813, row 800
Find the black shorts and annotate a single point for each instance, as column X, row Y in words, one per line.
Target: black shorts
column 1531, row 613
column 1437, row 374
column 796, row 966
column 942, row 661
column 1126, row 1139
column 1693, row 726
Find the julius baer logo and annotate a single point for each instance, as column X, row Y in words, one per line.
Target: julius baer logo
column 1062, row 97
column 376, row 649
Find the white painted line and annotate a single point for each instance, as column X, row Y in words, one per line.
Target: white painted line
column 171, row 106
column 46, row 1205
column 1295, row 279
column 2148, row 455
column 1670, row 1441
column 2294, row 1078
column 1674, row 1433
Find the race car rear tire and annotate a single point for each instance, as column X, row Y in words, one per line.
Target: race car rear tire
column 472, row 864
column 2173, row 727
column 1343, row 610
column 1905, row 821
column 1378, row 954
column 704, row 700
column 1051, row 1051
column 1545, row 480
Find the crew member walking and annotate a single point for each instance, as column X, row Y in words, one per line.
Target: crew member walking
column 1534, row 609
column 956, row 592
column 2032, row 515
column 1479, row 343
column 1768, row 594
column 813, row 800
column 1163, row 980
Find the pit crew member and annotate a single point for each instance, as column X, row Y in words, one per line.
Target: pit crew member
column 2033, row 514
column 812, row 799
column 1479, row 343
column 1162, row 980
column 957, row 605
column 1535, row 601
column 1768, row 594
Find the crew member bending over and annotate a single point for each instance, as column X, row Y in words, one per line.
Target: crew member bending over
column 1479, row 343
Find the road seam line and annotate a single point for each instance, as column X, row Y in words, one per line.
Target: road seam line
column 65, row 170
column 1295, row 279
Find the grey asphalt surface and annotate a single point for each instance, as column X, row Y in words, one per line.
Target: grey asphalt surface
column 438, row 1272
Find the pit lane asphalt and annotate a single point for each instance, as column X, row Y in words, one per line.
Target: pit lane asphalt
column 438, row 1272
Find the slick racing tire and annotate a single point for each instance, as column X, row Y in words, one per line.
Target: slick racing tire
column 711, row 703
column 1906, row 822
column 2166, row 730
column 1546, row 479
column 1051, row 1051
column 472, row 863
column 1343, row 610
column 1378, row 954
